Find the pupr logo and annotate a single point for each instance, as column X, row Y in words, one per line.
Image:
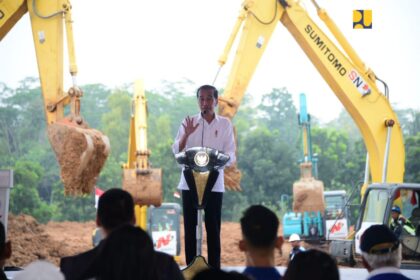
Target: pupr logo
column 362, row 19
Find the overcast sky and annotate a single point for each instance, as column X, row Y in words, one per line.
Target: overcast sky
column 119, row 41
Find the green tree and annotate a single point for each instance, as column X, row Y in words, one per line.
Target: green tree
column 24, row 196
column 279, row 112
column 412, row 155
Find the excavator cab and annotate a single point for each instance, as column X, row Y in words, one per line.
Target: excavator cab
column 81, row 151
column 378, row 203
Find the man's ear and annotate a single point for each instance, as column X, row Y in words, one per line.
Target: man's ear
column 279, row 242
column 98, row 222
column 8, row 250
column 242, row 246
column 366, row 264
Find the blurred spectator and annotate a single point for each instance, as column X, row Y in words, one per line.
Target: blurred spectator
column 40, row 270
column 313, row 265
column 127, row 253
column 400, row 223
column 295, row 241
column 259, row 227
column 217, row 274
column 381, row 253
column 115, row 208
column 5, row 251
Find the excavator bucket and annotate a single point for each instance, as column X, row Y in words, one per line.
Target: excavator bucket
column 308, row 193
column 233, row 178
column 145, row 186
column 81, row 153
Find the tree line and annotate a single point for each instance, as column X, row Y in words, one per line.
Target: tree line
column 269, row 147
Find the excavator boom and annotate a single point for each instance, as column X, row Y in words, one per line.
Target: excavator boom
column 353, row 84
column 81, row 151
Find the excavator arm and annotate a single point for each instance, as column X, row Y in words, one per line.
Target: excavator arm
column 81, row 151
column 353, row 84
column 143, row 182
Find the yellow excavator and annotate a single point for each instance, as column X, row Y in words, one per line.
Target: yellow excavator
column 143, row 182
column 81, row 151
column 353, row 83
column 355, row 86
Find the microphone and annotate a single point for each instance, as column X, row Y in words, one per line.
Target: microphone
column 204, row 112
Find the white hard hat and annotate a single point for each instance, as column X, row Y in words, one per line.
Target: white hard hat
column 294, row 237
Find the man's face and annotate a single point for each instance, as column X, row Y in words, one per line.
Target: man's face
column 394, row 215
column 206, row 101
column 295, row 244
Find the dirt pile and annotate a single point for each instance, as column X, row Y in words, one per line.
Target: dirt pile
column 32, row 241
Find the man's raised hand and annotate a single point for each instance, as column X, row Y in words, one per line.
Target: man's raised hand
column 189, row 126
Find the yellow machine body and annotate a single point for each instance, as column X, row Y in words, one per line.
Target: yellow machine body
column 143, row 182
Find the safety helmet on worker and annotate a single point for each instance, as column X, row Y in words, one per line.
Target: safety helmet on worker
column 396, row 208
column 294, row 237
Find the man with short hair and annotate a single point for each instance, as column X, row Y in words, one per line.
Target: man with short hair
column 115, row 208
column 206, row 129
column 5, row 251
column 381, row 253
column 259, row 227
column 295, row 241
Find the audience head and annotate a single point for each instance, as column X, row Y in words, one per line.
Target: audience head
column 395, row 212
column 259, row 227
column 127, row 253
column 115, row 208
column 5, row 247
column 212, row 273
column 312, row 264
column 294, row 240
column 380, row 247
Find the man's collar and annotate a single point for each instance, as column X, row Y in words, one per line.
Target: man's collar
column 383, row 270
column 200, row 117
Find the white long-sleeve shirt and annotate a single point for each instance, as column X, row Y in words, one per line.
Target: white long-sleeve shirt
column 217, row 135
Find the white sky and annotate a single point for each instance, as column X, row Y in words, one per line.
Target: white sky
column 119, row 41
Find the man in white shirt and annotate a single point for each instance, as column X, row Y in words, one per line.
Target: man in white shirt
column 205, row 129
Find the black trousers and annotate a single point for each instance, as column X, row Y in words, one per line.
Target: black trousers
column 212, row 217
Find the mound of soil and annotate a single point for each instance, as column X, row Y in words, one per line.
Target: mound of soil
column 32, row 241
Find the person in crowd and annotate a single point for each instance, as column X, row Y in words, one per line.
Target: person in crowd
column 312, row 264
column 115, row 208
column 400, row 223
column 214, row 273
column 206, row 129
column 295, row 241
column 381, row 253
column 127, row 253
column 5, row 251
column 259, row 227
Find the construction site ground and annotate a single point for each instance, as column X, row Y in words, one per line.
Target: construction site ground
column 32, row 240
